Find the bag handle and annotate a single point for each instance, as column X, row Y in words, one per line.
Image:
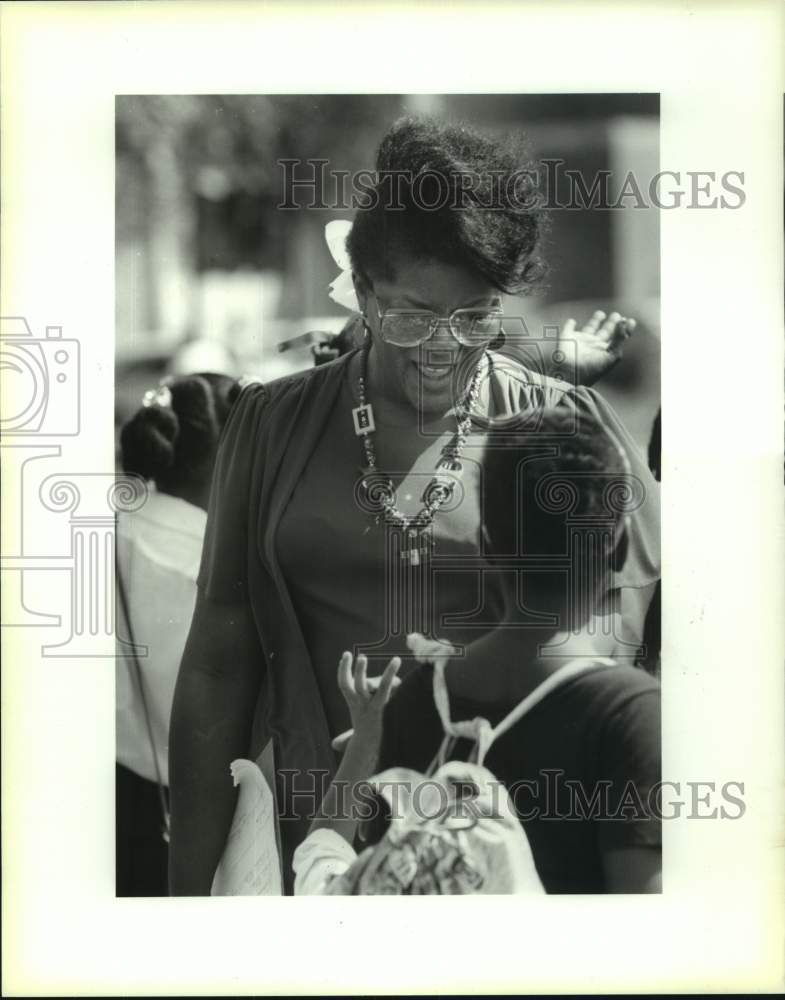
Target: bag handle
column 479, row 729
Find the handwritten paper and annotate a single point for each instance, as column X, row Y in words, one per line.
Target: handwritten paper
column 250, row 864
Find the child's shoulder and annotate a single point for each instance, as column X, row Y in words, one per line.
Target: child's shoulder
column 610, row 676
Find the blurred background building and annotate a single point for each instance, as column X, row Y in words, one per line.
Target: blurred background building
column 212, row 275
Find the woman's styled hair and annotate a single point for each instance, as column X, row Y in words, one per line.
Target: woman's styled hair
column 450, row 194
column 174, row 445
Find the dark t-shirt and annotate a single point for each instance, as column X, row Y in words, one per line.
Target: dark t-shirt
column 579, row 767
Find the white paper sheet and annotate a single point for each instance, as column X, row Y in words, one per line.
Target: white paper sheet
column 250, row 864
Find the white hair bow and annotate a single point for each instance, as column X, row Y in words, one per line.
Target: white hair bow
column 342, row 289
column 160, row 396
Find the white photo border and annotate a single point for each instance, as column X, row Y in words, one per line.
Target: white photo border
column 718, row 926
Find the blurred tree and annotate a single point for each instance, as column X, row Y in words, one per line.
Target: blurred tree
column 199, row 181
column 199, row 185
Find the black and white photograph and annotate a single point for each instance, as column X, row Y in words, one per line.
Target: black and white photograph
column 385, row 464
column 385, row 513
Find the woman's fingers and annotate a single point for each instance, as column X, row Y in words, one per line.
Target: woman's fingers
column 593, row 325
column 612, row 328
column 610, row 324
column 620, row 333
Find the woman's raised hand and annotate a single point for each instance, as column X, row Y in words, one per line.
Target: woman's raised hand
column 599, row 345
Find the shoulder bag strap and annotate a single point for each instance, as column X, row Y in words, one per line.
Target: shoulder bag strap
column 479, row 729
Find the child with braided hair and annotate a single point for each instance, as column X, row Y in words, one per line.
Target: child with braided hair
column 170, row 442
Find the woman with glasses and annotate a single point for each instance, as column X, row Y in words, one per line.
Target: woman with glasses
column 345, row 510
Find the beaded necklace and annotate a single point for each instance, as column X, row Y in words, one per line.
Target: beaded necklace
column 376, row 491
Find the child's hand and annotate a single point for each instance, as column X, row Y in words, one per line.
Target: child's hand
column 366, row 698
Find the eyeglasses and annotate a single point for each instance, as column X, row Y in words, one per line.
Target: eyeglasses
column 411, row 327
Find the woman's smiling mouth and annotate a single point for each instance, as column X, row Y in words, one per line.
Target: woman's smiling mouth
column 435, row 373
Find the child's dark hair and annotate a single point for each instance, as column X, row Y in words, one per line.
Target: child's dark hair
column 448, row 193
column 174, row 445
column 569, row 465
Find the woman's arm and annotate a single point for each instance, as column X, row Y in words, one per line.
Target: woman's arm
column 214, row 703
